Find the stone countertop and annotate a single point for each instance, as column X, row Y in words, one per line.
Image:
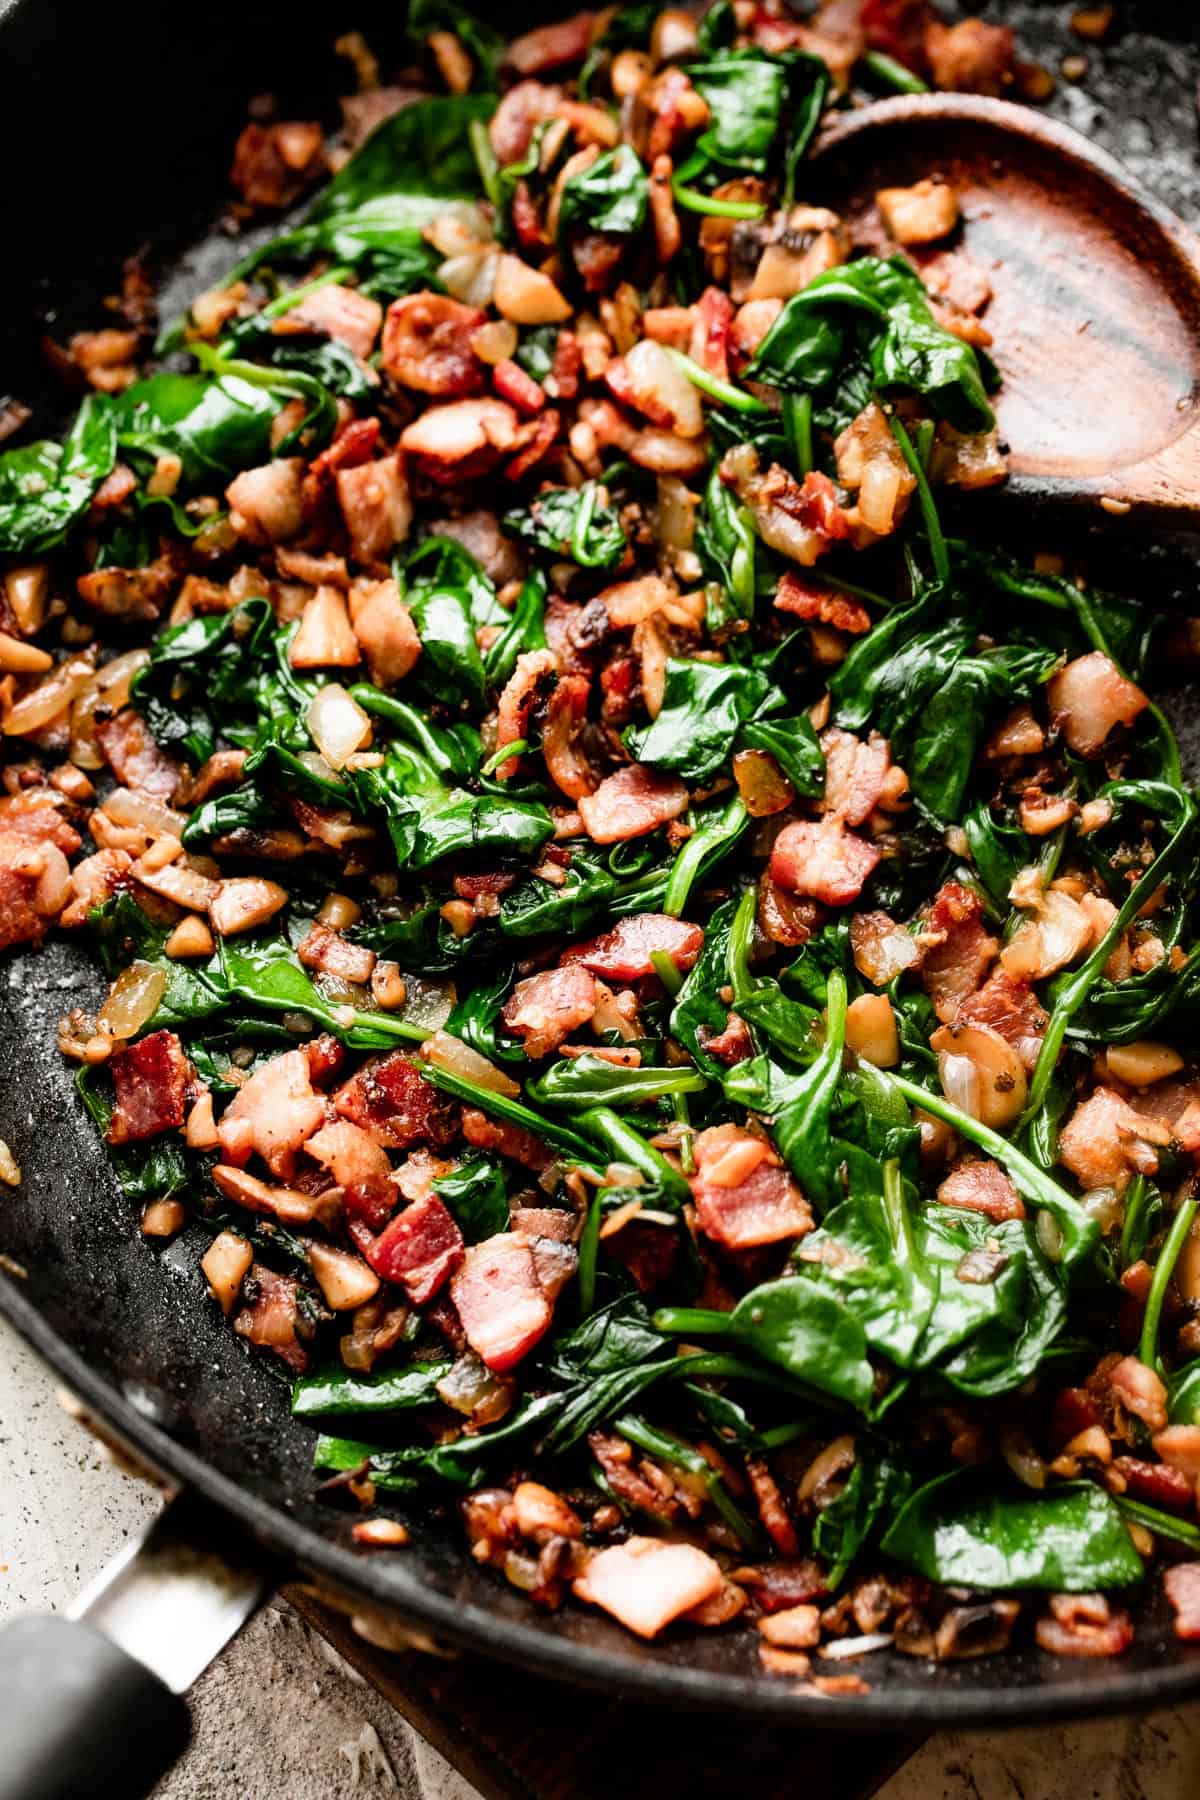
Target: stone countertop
column 281, row 1714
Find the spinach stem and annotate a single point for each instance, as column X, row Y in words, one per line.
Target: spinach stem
column 517, row 748
column 589, row 1246
column 1165, row 1524
column 891, row 73
column 485, row 157
column 716, row 389
column 1168, row 1256
column 679, row 1106
column 688, row 863
column 692, row 201
column 666, row 970
column 741, row 935
column 929, row 513
column 1134, row 1196
column 797, row 423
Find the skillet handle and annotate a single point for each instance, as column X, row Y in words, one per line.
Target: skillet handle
column 80, row 1719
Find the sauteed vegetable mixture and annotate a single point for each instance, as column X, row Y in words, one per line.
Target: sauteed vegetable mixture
column 657, row 978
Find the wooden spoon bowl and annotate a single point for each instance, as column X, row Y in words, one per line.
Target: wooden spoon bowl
column 1096, row 291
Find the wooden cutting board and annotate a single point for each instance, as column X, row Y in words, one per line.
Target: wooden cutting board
column 518, row 1736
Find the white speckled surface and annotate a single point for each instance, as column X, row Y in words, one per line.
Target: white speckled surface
column 281, row 1715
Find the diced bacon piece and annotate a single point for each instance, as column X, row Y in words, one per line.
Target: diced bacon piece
column 562, row 383
column 1157, row 1484
column 500, row 1301
column 340, row 313
column 897, row 27
column 32, row 817
column 333, row 954
column 556, row 1263
column 566, row 716
column 427, row 345
column 530, row 683
column 518, row 116
column 419, row 1250
column 823, row 860
column 520, row 389
column 733, row 1045
column 783, row 917
column 800, row 520
column 510, row 1140
column 238, row 904
column 709, row 345
column 632, row 802
column 543, row 1515
column 390, row 1099
column 821, row 605
column 334, row 826
column 546, row 1008
column 273, row 1114
column 324, row 639
column 1083, row 1624
column 744, row 1195
column 649, row 381
column 959, row 951
column 969, row 58
column 150, row 1079
column 919, row 214
column 354, row 444
column 461, row 440
column 130, row 593
column 266, row 504
column 1103, row 1142
column 772, row 1510
column 134, row 757
column 552, row 46
column 385, row 631
column 271, row 1317
column 1011, row 1008
column 623, row 954
column 780, row 1586
column 20, row 921
column 273, row 164
column 882, row 949
column 92, row 881
column 479, row 532
column 376, row 506
column 543, row 433
column 1089, row 698
column 1181, row 1585
column 645, row 1583
column 983, row 1187
column 1140, row 1391
column 360, row 1168
column 855, row 773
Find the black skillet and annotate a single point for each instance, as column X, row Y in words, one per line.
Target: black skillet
column 114, row 134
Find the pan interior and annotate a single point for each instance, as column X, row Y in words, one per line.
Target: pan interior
column 122, row 145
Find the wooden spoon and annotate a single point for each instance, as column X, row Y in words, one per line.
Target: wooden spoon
column 1096, row 292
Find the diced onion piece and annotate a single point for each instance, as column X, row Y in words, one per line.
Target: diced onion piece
column 225, row 1265
column 1106, row 1206
column 457, row 1058
column 124, row 807
column 109, row 688
column 458, row 230
column 495, row 342
column 345, row 1281
column 842, row 1649
column 1049, row 1236
column 49, row 699
column 428, row 1000
column 998, row 1086
column 132, row 1000
column 960, row 1083
column 470, row 277
column 338, row 725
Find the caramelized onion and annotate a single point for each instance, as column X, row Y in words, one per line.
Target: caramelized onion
column 133, row 999
column 457, row 1058
column 338, row 724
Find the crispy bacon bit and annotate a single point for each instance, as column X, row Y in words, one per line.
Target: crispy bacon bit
column 824, row 860
column 500, row 1301
column 1011, row 1008
column 969, row 58
column 385, row 631
column 130, row 593
column 635, row 800
column 631, row 1483
column 150, row 1079
column 334, row 954
column 1084, row 1625
column 520, row 389
column 546, row 1008
column 509, row 1140
column 821, row 605
column 1181, row 1585
column 463, row 439
column 982, row 1187
column 273, row 164
column 1156, row 1483
column 340, row 313
column 390, row 1099
column 774, row 1514
column 919, row 214
column 882, row 949
column 783, row 917
column 1140, row 1391
column 419, row 1250
column 552, row 46
column 359, row 1166
column 376, row 507
column 800, row 520
column 645, row 1583
column 520, row 112
column 544, row 432
column 1089, row 698
column 272, row 1114
column 733, row 1045
column 623, row 954
column 527, row 686
column 271, row 1316
column 566, row 717
column 960, row 950
column 1105, row 1141
column 855, row 773
column 427, row 345
column 779, row 1586
column 744, row 1195
column 266, row 505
